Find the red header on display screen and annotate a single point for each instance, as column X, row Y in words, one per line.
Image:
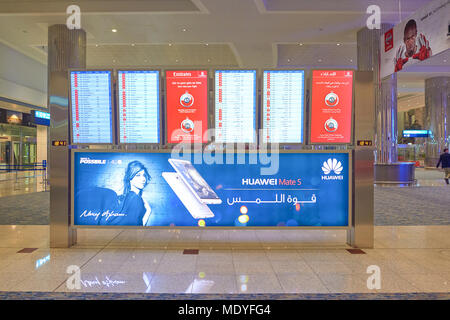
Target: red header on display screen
column 331, row 106
column 187, row 106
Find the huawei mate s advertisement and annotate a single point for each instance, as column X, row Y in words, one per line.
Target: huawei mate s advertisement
column 159, row 189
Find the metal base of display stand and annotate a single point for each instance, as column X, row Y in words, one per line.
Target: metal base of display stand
column 395, row 173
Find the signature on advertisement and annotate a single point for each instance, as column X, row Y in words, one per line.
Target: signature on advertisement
column 108, row 214
column 90, row 214
column 283, row 199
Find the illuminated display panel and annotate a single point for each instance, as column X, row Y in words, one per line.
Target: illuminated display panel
column 187, row 106
column 40, row 117
column 308, row 189
column 139, row 107
column 331, row 106
column 235, row 106
column 91, row 107
column 416, row 133
column 283, row 102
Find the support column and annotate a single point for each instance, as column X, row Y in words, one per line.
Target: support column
column 385, row 126
column 387, row 168
column 66, row 50
column 361, row 234
column 437, row 118
column 386, row 121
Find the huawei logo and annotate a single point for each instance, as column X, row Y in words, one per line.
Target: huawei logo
column 332, row 165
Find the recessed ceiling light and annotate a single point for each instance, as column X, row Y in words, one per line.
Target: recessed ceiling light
column 300, row 44
column 96, row 45
column 209, row 60
column 320, row 60
column 289, row 60
column 445, row 60
column 132, row 44
column 206, row 44
column 338, row 44
column 170, row 44
column 176, row 60
column 184, row 29
column 114, row 30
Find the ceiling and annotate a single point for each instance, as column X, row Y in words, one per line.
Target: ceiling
column 409, row 101
column 234, row 33
column 259, row 33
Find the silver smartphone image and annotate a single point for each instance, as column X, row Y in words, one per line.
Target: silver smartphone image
column 195, row 182
column 196, row 208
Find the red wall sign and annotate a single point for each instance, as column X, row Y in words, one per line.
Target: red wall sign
column 187, row 106
column 331, row 106
column 388, row 40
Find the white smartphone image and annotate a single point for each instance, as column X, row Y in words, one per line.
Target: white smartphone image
column 196, row 208
column 199, row 187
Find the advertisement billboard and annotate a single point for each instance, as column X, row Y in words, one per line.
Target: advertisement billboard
column 91, row 107
column 14, row 117
column 331, row 106
column 186, row 106
column 283, row 106
column 158, row 189
column 416, row 39
column 235, row 106
column 139, row 106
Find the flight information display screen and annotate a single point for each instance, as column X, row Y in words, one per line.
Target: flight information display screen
column 331, row 106
column 283, row 101
column 139, row 107
column 91, row 107
column 235, row 106
column 187, row 106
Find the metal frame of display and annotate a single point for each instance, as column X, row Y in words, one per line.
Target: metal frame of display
column 160, row 109
column 360, row 218
column 304, row 121
column 113, row 109
column 352, row 132
column 350, row 195
column 251, row 145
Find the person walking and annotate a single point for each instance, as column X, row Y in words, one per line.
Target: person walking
column 445, row 160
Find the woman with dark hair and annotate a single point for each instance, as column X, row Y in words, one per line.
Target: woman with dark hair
column 102, row 206
column 130, row 208
column 131, row 203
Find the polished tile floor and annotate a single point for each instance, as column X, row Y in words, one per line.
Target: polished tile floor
column 21, row 182
column 410, row 259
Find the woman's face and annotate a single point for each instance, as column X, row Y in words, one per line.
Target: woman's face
column 139, row 181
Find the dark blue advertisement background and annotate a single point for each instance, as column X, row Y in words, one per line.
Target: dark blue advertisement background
column 104, row 179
